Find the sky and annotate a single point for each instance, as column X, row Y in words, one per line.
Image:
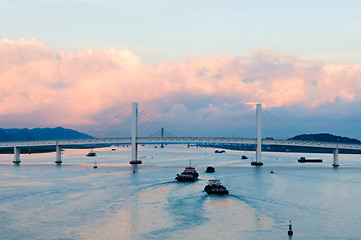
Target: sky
column 195, row 64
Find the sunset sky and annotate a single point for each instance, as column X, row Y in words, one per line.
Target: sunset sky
column 192, row 63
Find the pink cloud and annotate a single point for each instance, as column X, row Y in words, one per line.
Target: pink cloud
column 48, row 87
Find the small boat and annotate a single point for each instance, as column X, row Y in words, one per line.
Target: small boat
column 113, row 149
column 304, row 160
column 214, row 186
column 91, row 154
column 255, row 163
column 210, row 169
column 244, row 157
column 219, row 151
column 188, row 175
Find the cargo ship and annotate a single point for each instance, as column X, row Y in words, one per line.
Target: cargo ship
column 304, row 160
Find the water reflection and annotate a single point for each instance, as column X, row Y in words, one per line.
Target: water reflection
column 73, row 201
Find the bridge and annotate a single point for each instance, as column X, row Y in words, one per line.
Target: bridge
column 134, row 140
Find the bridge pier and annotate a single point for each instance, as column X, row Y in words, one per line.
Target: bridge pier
column 58, row 154
column 335, row 157
column 259, row 137
column 16, row 155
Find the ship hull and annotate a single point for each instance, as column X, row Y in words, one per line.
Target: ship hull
column 219, row 190
column 182, row 178
column 309, row 160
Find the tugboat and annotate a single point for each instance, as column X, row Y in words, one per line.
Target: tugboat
column 210, row 169
column 188, row 175
column 214, row 186
column 91, row 154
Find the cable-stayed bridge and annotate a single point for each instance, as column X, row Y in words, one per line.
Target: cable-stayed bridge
column 132, row 124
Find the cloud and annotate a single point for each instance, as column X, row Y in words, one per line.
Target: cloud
column 46, row 87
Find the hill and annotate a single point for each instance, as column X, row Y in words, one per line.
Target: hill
column 35, row 134
column 325, row 137
column 320, row 137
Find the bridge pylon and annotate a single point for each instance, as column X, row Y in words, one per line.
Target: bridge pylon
column 259, row 137
column 134, row 159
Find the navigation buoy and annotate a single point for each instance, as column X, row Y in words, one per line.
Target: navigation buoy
column 290, row 231
column 95, row 165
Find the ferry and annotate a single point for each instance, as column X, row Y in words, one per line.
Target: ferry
column 214, row 186
column 304, row 160
column 91, row 154
column 188, row 175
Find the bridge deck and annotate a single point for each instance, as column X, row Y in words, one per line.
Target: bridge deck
column 150, row 140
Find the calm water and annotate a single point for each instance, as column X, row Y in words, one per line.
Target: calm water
column 40, row 200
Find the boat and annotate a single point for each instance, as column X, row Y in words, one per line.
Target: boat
column 188, row 175
column 255, row 163
column 214, row 186
column 219, row 151
column 304, row 160
column 210, row 169
column 91, row 154
column 244, row 157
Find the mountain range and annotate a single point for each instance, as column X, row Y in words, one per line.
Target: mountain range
column 36, row 134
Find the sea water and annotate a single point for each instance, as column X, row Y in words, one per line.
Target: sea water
column 40, row 200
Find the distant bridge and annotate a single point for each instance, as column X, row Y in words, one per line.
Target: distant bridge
column 135, row 140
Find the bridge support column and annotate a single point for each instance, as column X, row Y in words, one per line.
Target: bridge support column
column 17, row 155
column 259, row 137
column 58, row 154
column 134, row 136
column 335, row 157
